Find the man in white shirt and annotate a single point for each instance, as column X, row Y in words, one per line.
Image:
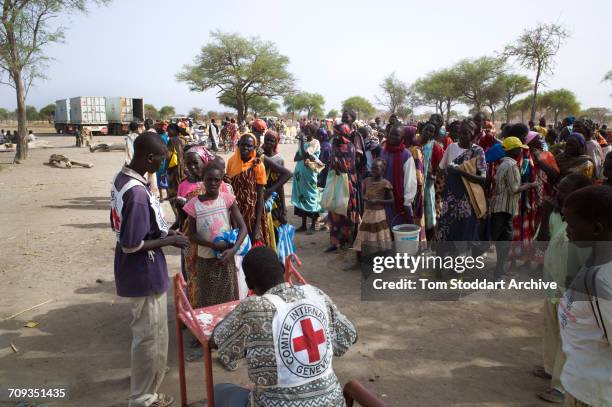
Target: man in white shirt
column 135, row 130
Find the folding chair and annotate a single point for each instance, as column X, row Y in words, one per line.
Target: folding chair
column 355, row 392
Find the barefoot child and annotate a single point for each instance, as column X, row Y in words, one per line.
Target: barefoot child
column 213, row 281
column 374, row 231
column 585, row 311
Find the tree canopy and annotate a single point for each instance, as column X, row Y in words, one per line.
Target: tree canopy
column 332, row 114
column 560, row 101
column 395, row 94
column 240, row 68
column 475, row 76
column 598, row 114
column 27, row 27
column 166, row 111
column 439, row 89
column 360, row 105
column 535, row 50
column 310, row 103
column 196, row 113
column 151, row 112
column 512, row 85
column 47, row 112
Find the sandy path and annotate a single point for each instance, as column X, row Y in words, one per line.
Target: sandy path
column 56, row 243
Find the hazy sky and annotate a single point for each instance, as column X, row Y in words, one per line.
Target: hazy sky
column 337, row 48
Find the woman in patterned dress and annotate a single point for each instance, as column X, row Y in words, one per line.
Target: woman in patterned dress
column 458, row 221
column 342, row 228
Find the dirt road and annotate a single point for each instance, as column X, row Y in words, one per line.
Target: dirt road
column 57, row 245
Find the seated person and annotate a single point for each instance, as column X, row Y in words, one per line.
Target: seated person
column 288, row 334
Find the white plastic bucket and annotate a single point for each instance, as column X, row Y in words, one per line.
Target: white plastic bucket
column 407, row 238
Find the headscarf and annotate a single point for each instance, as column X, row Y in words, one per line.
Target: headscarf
column 410, row 136
column 371, row 142
column 579, row 138
column 323, row 135
column 342, row 132
column 398, row 171
column 531, row 136
column 567, row 163
column 249, row 135
column 570, row 120
column 205, row 155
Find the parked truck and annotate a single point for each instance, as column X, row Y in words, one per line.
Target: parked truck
column 84, row 112
column 102, row 115
column 120, row 111
column 62, row 116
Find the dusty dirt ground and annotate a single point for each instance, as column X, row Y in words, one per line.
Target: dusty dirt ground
column 57, row 245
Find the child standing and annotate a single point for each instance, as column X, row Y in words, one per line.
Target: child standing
column 505, row 200
column 374, row 230
column 561, row 262
column 213, row 281
column 585, row 311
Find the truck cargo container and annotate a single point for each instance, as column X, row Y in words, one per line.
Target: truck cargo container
column 90, row 112
column 120, row 111
column 62, row 116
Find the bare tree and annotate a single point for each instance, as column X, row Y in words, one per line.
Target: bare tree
column 25, row 30
column 535, row 49
column 395, row 94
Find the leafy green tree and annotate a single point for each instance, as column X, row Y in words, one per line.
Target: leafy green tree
column 332, row 114
column 535, row 50
column 196, row 114
column 560, row 101
column 241, row 68
column 395, row 94
column 166, row 111
column 310, row 103
column 48, row 112
column 512, row 86
column 151, row 112
column 262, row 106
column 475, row 76
column 4, row 114
column 27, row 27
column 522, row 106
column 31, row 113
column 360, row 105
column 440, row 89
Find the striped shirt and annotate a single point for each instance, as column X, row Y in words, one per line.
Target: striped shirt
column 507, row 183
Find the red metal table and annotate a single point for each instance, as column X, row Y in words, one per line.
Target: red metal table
column 202, row 321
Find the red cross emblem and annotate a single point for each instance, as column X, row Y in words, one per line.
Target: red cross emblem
column 310, row 341
column 116, row 220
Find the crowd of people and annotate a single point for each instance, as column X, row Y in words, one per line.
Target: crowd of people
column 461, row 182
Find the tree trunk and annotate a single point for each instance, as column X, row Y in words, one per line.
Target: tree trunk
column 508, row 114
column 448, row 111
column 22, row 139
column 535, row 94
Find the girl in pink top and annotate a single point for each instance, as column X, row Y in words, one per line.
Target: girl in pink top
column 213, row 281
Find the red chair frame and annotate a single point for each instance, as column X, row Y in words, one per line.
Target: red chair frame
column 186, row 315
column 355, row 392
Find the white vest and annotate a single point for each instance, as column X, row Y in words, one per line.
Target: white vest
column 302, row 341
column 117, row 206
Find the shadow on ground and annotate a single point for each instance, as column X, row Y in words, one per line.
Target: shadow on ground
column 86, row 203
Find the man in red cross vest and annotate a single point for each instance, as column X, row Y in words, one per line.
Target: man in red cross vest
column 289, row 335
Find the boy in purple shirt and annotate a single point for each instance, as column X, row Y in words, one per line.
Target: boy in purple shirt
column 140, row 268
